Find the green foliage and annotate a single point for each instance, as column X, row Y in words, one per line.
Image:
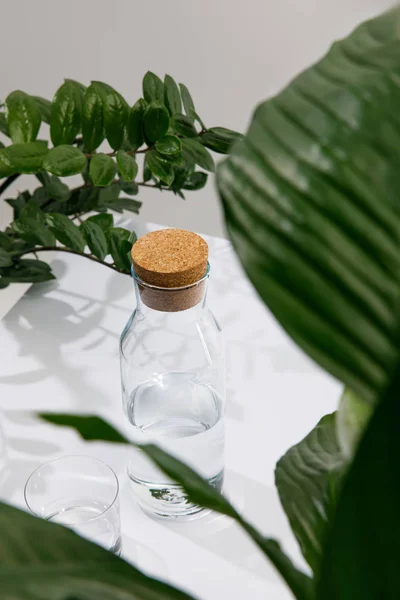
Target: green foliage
column 66, row 113
column 24, row 117
column 220, row 139
column 81, row 121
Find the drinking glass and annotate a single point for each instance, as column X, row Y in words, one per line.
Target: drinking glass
column 81, row 493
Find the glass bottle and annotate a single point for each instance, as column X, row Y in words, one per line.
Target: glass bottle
column 172, row 372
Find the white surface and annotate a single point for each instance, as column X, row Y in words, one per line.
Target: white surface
column 230, row 54
column 59, row 352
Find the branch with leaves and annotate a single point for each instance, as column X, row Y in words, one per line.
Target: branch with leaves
column 157, row 143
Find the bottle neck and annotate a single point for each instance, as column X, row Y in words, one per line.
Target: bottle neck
column 177, row 303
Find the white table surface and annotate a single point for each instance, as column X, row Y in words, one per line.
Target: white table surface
column 59, row 352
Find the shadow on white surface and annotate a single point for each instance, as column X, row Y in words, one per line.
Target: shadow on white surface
column 223, row 537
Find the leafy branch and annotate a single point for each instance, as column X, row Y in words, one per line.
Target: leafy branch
column 162, row 130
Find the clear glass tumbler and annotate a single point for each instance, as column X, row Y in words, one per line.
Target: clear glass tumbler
column 172, row 371
column 79, row 492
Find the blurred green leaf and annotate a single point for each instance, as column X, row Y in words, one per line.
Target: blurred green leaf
column 109, row 193
column 183, row 125
column 169, row 146
column 129, row 187
column 153, row 88
column 116, row 112
column 66, row 231
column 44, row 107
column 23, row 117
column 172, row 97
column 66, row 113
column 146, row 170
column 95, row 238
column 134, row 126
column 57, row 189
column 306, row 478
column 220, row 139
column 93, row 132
column 195, row 181
column 187, row 101
column 64, row 161
column 6, row 167
column 5, row 258
column 41, row 560
column 25, row 271
column 5, row 241
column 127, row 166
column 105, row 221
column 24, row 158
column 120, row 204
column 160, row 168
column 3, row 124
column 155, row 122
column 31, row 209
column 33, row 231
column 118, row 250
column 193, row 150
column 102, row 169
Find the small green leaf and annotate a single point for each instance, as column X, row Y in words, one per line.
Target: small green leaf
column 24, row 158
column 196, row 181
column 109, row 194
column 169, row 146
column 160, row 168
column 172, row 97
column 33, row 231
column 56, row 189
column 127, row 166
column 146, row 170
column 116, row 112
column 3, row 124
column 155, row 122
column 105, row 221
column 129, row 187
column 118, row 250
column 64, row 161
column 187, row 101
column 153, row 88
column 44, row 107
column 134, row 126
column 32, row 210
column 23, row 117
column 66, row 113
column 102, row 169
column 183, row 125
column 66, row 231
column 95, row 238
column 193, row 150
column 6, row 167
column 5, row 258
column 120, row 204
column 220, row 139
column 92, row 119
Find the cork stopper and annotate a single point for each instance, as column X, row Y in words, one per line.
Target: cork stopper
column 170, row 259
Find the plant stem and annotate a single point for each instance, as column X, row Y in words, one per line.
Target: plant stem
column 69, row 251
column 8, row 182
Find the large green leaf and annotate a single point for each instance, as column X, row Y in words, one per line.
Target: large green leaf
column 92, row 119
column 95, row 238
column 42, row 560
column 197, row 490
column 116, row 238
column 311, row 203
column 361, row 558
column 220, row 139
column 127, row 166
column 33, row 231
column 193, row 150
column 307, row 479
column 66, row 113
column 116, row 112
column 187, row 101
column 44, row 107
column 23, row 117
column 160, row 168
column 172, row 97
